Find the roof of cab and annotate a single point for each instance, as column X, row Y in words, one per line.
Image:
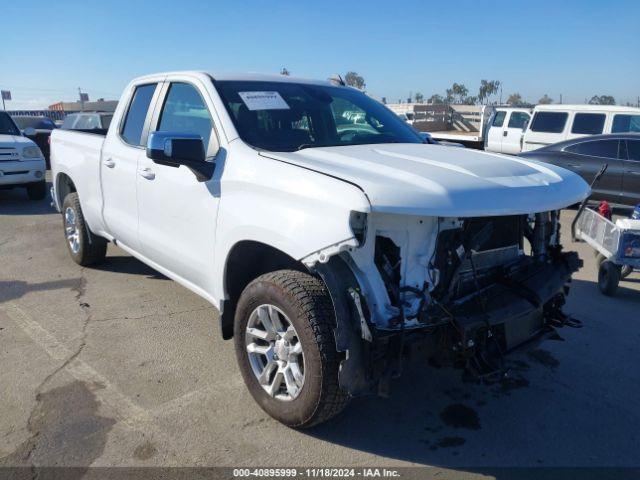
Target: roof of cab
column 256, row 77
column 598, row 108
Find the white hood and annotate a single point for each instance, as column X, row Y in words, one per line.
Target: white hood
column 435, row 180
column 14, row 141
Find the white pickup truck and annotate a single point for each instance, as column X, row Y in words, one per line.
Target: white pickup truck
column 328, row 245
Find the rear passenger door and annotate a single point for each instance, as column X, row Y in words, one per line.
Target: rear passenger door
column 631, row 179
column 587, row 158
column 512, row 136
column 120, row 155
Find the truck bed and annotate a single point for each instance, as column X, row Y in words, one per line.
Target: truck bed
column 457, row 135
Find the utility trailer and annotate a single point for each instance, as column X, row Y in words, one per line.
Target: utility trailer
column 466, row 124
column 617, row 244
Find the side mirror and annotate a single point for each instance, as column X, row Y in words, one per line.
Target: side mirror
column 175, row 149
column 29, row 132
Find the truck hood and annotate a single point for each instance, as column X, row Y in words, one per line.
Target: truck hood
column 436, row 180
column 14, row 141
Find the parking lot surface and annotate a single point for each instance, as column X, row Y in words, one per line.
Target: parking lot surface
column 117, row 365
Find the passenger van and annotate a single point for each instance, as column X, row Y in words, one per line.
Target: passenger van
column 504, row 134
column 555, row 123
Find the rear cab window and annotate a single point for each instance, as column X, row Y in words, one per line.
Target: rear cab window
column 549, row 122
column 133, row 124
column 588, row 123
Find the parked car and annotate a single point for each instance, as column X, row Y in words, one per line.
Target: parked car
column 21, row 161
column 586, row 156
column 42, row 126
column 325, row 252
column 92, row 122
column 556, row 123
column 506, row 127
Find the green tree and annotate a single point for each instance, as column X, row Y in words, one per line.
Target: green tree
column 546, row 100
column 515, row 100
column 354, row 80
column 419, row 98
column 602, row 100
column 487, row 88
column 457, row 93
column 436, row 99
column 285, row 71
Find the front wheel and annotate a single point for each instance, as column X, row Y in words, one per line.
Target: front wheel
column 286, row 348
column 84, row 247
column 608, row 278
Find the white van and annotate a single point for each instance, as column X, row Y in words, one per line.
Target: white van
column 555, row 123
column 505, row 129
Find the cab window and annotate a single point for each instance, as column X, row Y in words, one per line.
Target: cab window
column 588, row 123
column 137, row 113
column 184, row 111
column 518, row 120
column 498, row 119
column 549, row 122
column 625, row 123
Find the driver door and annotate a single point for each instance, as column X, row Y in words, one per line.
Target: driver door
column 177, row 212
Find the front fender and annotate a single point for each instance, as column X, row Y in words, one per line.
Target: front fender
column 299, row 212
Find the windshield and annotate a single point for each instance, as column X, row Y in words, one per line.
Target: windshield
column 41, row 123
column 7, row 127
column 282, row 116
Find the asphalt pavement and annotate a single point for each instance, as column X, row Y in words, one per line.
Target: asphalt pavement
column 119, row 366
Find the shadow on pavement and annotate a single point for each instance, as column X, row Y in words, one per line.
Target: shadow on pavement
column 14, row 289
column 549, row 412
column 129, row 265
column 16, row 202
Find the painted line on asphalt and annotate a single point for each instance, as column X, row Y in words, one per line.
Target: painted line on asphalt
column 117, row 403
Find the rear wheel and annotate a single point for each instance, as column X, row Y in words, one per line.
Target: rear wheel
column 608, row 277
column 37, row 190
column 84, row 247
column 286, row 348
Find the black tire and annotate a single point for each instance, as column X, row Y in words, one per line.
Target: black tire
column 608, row 278
column 91, row 249
column 307, row 305
column 37, row 190
column 625, row 271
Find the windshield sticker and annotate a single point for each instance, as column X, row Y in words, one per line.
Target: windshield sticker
column 263, row 101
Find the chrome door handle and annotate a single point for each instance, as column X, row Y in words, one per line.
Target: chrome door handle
column 633, row 172
column 147, row 173
column 109, row 163
column 574, row 165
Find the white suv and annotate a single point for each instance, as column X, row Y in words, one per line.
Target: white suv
column 21, row 161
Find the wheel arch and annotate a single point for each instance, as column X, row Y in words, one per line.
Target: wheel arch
column 64, row 185
column 246, row 261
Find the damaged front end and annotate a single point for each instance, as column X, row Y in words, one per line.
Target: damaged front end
column 470, row 289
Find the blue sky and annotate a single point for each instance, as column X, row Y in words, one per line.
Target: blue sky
column 573, row 48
